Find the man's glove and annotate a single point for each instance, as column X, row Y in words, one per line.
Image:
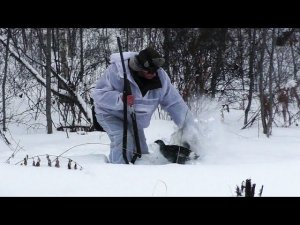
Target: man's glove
column 130, row 100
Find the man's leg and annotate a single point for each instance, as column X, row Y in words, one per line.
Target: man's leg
column 114, row 128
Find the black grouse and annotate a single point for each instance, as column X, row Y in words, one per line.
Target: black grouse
column 175, row 153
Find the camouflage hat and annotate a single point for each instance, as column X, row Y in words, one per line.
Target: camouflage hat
column 147, row 59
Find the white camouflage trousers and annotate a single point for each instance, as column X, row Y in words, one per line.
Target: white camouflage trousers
column 114, row 128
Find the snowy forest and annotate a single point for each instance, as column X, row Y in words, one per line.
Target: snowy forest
column 242, row 84
column 51, row 71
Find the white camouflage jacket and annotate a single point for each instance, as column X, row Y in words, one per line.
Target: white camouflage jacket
column 108, row 92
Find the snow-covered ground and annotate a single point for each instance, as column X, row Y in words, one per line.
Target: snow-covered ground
column 228, row 156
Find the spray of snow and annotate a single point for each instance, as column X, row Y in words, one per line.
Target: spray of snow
column 204, row 132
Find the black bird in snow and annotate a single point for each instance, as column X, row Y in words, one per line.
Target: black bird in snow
column 175, row 153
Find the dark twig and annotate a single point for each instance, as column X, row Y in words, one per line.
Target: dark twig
column 49, row 161
column 69, row 164
column 4, row 138
column 261, row 190
column 25, row 161
column 56, row 157
column 57, row 163
column 38, row 163
column 247, row 190
column 238, row 191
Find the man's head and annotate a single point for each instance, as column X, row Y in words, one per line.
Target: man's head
column 147, row 60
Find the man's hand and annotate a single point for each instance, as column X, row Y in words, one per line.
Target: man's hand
column 130, row 100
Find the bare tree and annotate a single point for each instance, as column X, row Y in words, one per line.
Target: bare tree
column 231, row 64
column 264, row 104
column 4, row 79
column 80, row 75
column 251, row 73
column 294, row 60
column 167, row 48
column 221, row 44
column 68, row 93
column 48, row 82
column 240, row 60
column 271, row 72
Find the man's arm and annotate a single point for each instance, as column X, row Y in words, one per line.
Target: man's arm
column 107, row 93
